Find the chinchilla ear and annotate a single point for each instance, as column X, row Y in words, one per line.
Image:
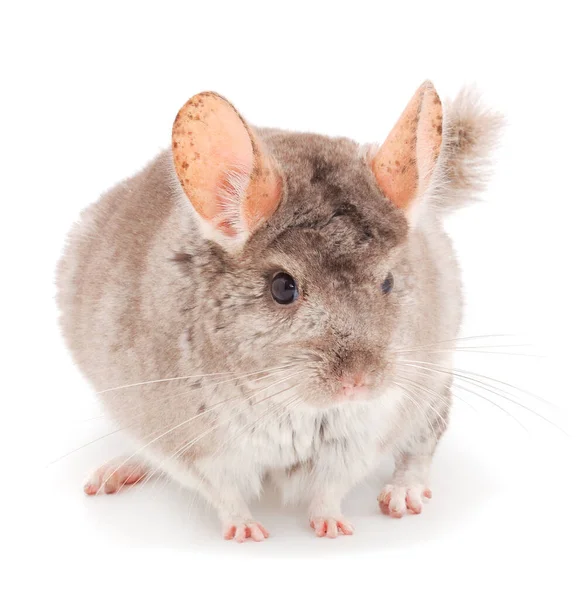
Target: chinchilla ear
column 229, row 178
column 404, row 164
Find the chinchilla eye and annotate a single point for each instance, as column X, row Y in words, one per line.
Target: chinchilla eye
column 387, row 284
column 284, row 289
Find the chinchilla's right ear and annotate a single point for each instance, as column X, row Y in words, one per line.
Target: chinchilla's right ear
column 228, row 177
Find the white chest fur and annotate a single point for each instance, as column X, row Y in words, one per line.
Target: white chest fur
column 297, row 435
column 344, row 441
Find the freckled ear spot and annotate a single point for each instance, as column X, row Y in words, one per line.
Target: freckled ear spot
column 232, row 183
column 405, row 162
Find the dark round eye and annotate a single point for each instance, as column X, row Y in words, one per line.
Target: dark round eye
column 284, row 288
column 387, row 284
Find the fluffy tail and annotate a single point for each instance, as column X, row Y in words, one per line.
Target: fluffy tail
column 471, row 133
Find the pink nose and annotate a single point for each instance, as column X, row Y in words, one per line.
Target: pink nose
column 356, row 380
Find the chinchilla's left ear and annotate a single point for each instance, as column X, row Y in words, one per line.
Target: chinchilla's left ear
column 404, row 164
column 437, row 161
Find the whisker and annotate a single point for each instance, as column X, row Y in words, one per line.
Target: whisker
column 412, row 399
column 230, row 373
column 427, row 390
column 506, row 396
column 472, row 373
column 489, row 387
column 456, row 396
column 467, row 347
column 189, row 443
column 193, row 392
column 245, row 408
column 460, row 339
column 186, row 421
column 223, row 447
column 461, row 399
column 83, row 446
column 270, row 410
column 476, row 350
column 490, row 401
column 487, row 399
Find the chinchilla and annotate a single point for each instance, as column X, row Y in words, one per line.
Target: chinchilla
column 258, row 303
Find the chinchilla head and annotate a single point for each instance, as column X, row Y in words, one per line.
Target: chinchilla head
column 308, row 238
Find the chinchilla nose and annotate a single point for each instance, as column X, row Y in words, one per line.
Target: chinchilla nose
column 355, row 380
column 355, row 369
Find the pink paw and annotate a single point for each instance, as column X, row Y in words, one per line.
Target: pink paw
column 331, row 527
column 242, row 530
column 112, row 476
column 395, row 500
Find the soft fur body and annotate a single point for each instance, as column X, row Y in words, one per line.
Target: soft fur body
column 146, row 296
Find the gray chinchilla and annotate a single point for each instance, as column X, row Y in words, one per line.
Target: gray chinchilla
column 253, row 305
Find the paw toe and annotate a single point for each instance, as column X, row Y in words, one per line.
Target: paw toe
column 241, row 531
column 414, row 502
column 331, row 527
column 111, row 477
column 345, row 527
column 395, row 501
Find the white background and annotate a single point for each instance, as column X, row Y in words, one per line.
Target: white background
column 89, row 95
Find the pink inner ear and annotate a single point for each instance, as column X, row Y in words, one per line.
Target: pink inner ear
column 405, row 161
column 221, row 167
column 263, row 194
column 429, row 136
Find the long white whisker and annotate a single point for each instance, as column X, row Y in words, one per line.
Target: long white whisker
column 225, row 444
column 83, row 446
column 489, row 400
column 429, row 391
column 411, row 398
column 462, row 339
column 190, row 391
column 189, row 421
column 230, row 373
column 463, row 372
column 470, row 350
column 245, row 408
column 182, row 449
column 488, row 387
column 186, row 421
column 195, row 391
column 270, row 410
column 450, row 348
